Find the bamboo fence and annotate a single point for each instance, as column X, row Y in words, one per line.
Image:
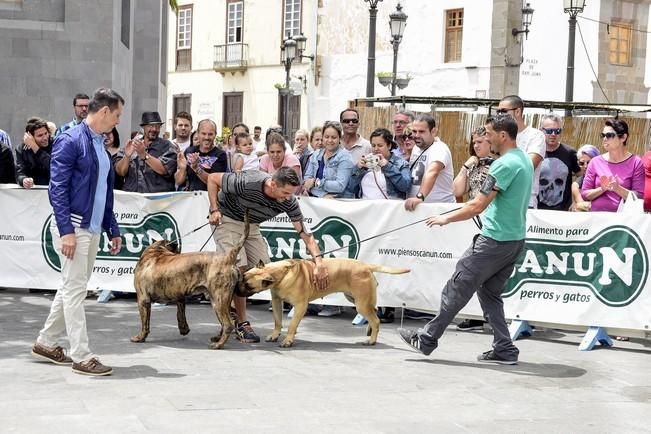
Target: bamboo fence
column 454, row 129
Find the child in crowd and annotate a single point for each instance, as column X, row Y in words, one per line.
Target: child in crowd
column 244, row 158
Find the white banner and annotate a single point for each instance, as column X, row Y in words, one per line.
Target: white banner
column 579, row 269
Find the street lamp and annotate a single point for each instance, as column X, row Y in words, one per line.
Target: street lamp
column 288, row 51
column 291, row 50
column 370, row 71
column 397, row 23
column 527, row 16
column 573, row 8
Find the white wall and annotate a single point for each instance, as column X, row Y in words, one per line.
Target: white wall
column 262, row 32
column 344, row 46
column 543, row 73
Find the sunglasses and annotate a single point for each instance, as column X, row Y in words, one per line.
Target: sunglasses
column 350, row 121
column 408, row 137
column 556, row 131
column 503, row 111
column 609, row 135
column 583, row 163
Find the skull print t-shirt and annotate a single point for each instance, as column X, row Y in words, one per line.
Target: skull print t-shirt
column 555, row 181
column 532, row 141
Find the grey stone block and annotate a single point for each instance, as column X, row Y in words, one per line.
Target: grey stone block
column 20, row 47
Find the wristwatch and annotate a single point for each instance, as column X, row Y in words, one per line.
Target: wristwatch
column 146, row 157
column 420, row 196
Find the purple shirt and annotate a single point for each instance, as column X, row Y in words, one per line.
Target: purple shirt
column 629, row 174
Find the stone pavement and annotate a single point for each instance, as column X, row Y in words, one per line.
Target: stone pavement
column 327, row 383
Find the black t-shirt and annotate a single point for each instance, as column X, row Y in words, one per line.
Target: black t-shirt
column 556, row 178
column 213, row 161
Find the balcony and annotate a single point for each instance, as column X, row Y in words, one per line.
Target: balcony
column 231, row 58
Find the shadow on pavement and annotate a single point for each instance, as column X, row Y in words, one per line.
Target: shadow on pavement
column 548, row 370
column 138, row 371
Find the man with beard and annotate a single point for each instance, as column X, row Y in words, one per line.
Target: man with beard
column 488, row 263
column 197, row 162
column 432, row 172
column 148, row 165
column 182, row 130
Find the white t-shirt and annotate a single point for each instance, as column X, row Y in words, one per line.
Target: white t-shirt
column 251, row 161
column 182, row 145
column 532, row 141
column 442, row 190
column 259, row 145
column 371, row 190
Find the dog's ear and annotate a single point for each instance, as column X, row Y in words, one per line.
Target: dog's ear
column 173, row 246
column 268, row 281
column 260, row 264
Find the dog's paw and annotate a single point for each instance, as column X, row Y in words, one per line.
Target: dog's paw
column 216, row 346
column 286, row 343
column 138, row 339
column 271, row 338
column 368, row 343
column 184, row 331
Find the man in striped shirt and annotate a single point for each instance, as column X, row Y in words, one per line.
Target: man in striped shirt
column 265, row 196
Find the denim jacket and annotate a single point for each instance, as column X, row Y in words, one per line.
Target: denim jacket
column 396, row 172
column 336, row 172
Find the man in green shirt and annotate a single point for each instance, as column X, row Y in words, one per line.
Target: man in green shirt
column 486, row 266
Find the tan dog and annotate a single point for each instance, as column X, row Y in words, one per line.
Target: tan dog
column 293, row 281
column 163, row 275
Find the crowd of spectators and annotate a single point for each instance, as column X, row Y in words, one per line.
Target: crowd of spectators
column 409, row 162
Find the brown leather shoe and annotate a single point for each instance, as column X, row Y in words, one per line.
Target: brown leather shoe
column 92, row 367
column 55, row 355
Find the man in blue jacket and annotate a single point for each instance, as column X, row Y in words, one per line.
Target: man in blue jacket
column 81, row 194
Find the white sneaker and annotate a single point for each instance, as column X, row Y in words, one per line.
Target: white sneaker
column 330, row 311
column 359, row 320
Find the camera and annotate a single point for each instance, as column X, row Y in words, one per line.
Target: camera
column 372, row 161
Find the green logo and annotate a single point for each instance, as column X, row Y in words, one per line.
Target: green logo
column 613, row 265
column 331, row 233
column 136, row 237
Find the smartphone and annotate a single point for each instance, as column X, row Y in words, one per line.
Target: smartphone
column 140, row 135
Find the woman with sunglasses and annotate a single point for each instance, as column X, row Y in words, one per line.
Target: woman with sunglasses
column 474, row 170
column 610, row 177
column 408, row 149
column 329, row 168
column 584, row 155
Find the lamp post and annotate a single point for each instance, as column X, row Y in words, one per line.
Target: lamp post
column 370, row 71
column 573, row 8
column 527, row 16
column 397, row 23
column 288, row 50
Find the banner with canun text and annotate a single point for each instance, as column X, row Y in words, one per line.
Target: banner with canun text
column 580, row 269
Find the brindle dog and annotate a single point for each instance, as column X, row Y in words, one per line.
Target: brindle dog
column 164, row 275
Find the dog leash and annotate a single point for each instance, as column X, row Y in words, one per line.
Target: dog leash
column 476, row 220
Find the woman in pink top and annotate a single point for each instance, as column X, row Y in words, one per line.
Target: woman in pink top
column 276, row 157
column 610, row 177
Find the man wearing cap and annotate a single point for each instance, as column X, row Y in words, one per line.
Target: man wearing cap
column 148, row 164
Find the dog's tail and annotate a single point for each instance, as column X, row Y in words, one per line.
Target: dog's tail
column 233, row 254
column 388, row 270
